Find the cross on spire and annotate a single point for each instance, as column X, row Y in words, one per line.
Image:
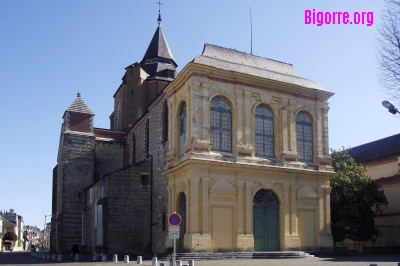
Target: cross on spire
column 159, row 11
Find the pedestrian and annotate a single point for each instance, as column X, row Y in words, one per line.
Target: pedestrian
column 75, row 250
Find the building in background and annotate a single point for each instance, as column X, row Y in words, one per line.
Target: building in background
column 46, row 237
column 18, row 221
column 382, row 159
column 33, row 235
column 236, row 143
column 2, row 232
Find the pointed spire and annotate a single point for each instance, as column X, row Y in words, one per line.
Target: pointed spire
column 159, row 12
column 79, row 106
column 158, row 47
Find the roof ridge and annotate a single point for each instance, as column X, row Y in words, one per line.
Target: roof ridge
column 368, row 143
column 237, row 51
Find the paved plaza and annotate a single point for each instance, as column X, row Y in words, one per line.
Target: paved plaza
column 17, row 258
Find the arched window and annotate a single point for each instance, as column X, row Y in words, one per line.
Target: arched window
column 221, row 125
column 304, row 134
column 147, row 138
column 264, row 132
column 182, row 128
column 133, row 148
column 165, row 122
column 118, row 115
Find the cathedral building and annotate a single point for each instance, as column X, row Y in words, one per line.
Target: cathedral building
column 235, row 143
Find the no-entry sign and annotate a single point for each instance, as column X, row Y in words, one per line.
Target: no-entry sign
column 174, row 219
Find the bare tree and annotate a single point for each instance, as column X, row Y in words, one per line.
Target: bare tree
column 388, row 54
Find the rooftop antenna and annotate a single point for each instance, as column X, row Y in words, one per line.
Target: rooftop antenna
column 251, row 33
column 159, row 12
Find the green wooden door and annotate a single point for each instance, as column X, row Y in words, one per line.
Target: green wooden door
column 266, row 221
column 182, row 230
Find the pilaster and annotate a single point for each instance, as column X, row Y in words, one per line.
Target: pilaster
column 292, row 127
column 321, row 207
column 319, row 141
column 188, row 207
column 239, row 116
column 285, row 127
column 293, row 209
column 328, row 191
column 286, row 201
column 249, row 207
column 205, row 112
column 247, row 122
column 195, row 111
column 194, row 205
column 240, row 199
column 205, row 182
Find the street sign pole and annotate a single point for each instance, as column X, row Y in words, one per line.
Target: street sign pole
column 174, row 221
column 174, row 256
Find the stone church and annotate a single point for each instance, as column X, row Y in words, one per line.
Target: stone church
column 237, row 144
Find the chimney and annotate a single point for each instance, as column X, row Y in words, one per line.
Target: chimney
column 11, row 211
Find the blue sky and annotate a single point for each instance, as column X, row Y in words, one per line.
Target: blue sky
column 50, row 50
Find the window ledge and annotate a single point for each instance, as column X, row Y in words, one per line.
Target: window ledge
column 222, row 153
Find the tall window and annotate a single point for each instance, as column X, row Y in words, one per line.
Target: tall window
column 221, row 125
column 133, row 148
column 182, row 128
column 165, row 123
column 147, row 137
column 264, row 132
column 304, row 137
column 118, row 116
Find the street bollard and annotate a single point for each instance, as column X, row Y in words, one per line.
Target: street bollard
column 171, row 262
column 59, row 257
column 53, row 257
column 126, row 259
column 77, row 257
column 178, row 263
column 139, row 259
column 154, row 261
column 104, row 257
column 94, row 257
column 191, row 262
column 115, row 258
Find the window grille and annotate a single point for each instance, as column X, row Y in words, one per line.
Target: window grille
column 182, row 129
column 264, row 132
column 304, row 134
column 221, row 125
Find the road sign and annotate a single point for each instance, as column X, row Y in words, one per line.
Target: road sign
column 174, row 228
column 173, row 235
column 174, row 219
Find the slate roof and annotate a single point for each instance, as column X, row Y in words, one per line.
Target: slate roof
column 232, row 60
column 79, row 106
column 7, row 223
column 158, row 47
column 376, row 150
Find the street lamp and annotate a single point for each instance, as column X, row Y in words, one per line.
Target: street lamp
column 390, row 107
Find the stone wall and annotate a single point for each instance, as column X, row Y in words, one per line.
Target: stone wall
column 109, row 157
column 54, row 210
column 160, row 182
column 75, row 173
column 127, row 218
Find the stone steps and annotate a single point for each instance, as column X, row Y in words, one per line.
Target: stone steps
column 238, row 255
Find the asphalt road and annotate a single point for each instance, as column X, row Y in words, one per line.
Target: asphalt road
column 15, row 258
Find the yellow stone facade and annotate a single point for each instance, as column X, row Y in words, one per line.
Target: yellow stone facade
column 220, row 187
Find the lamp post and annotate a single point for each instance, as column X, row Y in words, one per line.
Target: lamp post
column 390, row 107
column 45, row 242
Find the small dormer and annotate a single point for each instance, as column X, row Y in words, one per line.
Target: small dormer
column 78, row 117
